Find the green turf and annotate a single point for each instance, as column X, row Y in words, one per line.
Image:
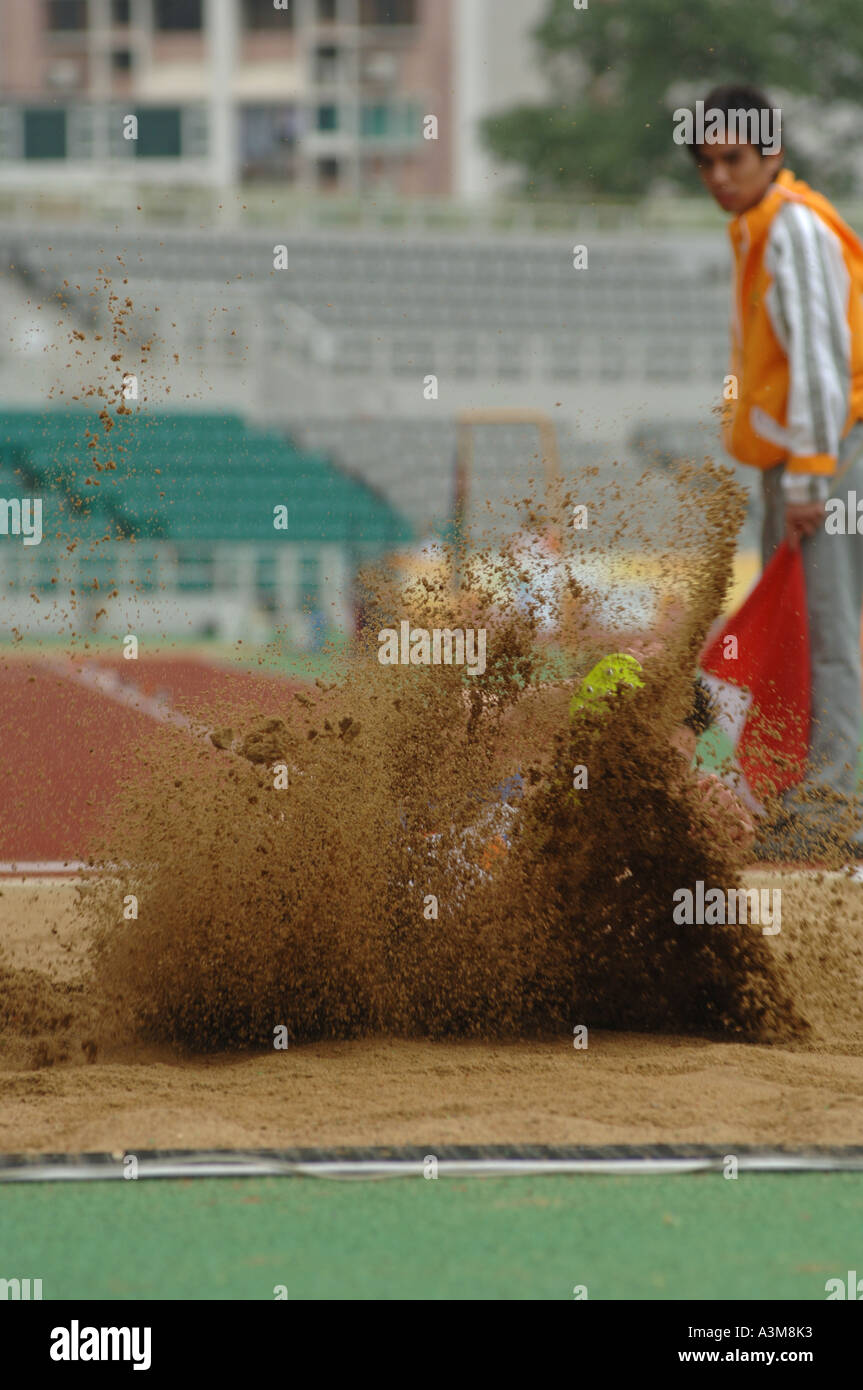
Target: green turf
column 699, row 1236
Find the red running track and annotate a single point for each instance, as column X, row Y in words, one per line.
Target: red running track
column 63, row 745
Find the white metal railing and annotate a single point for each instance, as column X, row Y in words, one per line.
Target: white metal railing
column 96, row 201
column 245, row 569
column 181, row 588
column 146, row 198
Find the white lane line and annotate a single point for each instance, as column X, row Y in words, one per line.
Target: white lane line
column 107, row 682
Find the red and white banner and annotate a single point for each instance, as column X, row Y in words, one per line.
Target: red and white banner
column 758, row 669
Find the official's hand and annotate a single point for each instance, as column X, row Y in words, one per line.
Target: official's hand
column 802, row 519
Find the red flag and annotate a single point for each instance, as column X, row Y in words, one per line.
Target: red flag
column 758, row 668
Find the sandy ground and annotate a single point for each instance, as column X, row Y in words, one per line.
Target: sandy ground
column 624, row 1088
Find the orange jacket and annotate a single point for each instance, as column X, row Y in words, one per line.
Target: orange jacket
column 797, row 331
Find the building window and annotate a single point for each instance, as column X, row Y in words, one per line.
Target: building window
column 121, row 13
column 268, row 137
column 158, row 133
column 326, row 64
column 178, row 14
column 379, row 121
column 375, row 121
column 328, row 118
column 262, row 14
column 388, row 12
column 328, row 172
column 66, row 74
column 67, row 14
column 121, row 60
column 44, row 134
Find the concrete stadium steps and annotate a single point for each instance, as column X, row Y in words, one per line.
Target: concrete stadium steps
column 650, row 309
column 412, row 460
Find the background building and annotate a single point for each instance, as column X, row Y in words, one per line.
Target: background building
column 325, row 94
column 280, row 257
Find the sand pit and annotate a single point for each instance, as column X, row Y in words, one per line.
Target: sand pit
column 624, row 1088
column 324, row 870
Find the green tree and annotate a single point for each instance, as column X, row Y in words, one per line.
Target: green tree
column 616, row 71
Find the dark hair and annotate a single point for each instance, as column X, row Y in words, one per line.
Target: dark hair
column 702, row 715
column 733, row 97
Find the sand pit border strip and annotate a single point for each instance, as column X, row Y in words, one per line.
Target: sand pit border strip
column 35, row 873
column 452, row 1161
column 38, row 868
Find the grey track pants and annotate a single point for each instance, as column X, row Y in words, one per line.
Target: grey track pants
column 833, row 565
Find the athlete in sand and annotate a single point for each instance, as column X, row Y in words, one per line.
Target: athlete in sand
column 715, row 800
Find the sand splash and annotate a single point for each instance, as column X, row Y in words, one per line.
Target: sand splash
column 331, row 865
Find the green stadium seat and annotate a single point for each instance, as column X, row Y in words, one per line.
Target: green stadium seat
column 183, row 477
